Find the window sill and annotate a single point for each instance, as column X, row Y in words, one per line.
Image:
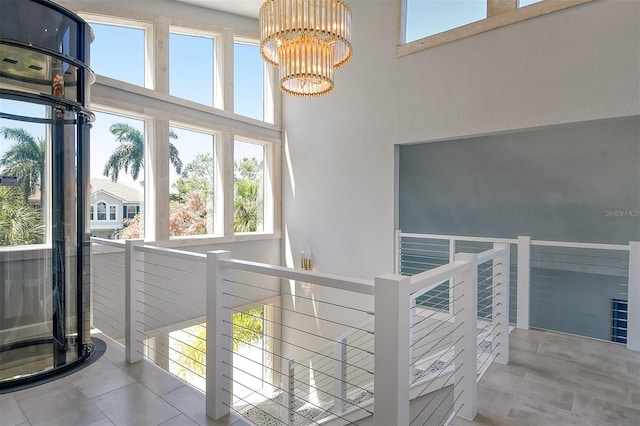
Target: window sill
column 488, row 24
column 201, row 240
column 164, row 97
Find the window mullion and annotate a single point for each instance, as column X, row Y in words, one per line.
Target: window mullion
column 496, row 7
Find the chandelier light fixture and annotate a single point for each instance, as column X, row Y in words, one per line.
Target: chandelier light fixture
column 306, row 40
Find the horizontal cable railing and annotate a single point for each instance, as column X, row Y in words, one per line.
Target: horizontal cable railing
column 588, row 289
column 318, row 347
column 580, row 289
column 453, row 345
column 108, row 287
column 169, row 291
column 289, row 346
column 417, row 253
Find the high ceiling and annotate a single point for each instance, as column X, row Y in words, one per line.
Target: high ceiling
column 247, row 8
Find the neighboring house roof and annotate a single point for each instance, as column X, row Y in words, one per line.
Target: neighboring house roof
column 125, row 193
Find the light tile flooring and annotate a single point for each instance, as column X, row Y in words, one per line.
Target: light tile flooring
column 556, row 379
column 551, row 380
column 110, row 392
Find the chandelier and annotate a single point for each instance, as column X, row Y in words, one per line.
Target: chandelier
column 306, row 40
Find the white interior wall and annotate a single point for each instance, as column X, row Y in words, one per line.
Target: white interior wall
column 579, row 64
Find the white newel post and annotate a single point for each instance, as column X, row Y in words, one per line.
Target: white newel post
column 466, row 337
column 500, row 309
column 218, row 370
column 523, row 285
column 132, row 315
column 391, row 378
column 633, row 305
column 340, row 376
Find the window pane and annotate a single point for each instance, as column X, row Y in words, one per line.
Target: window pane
column 112, row 212
column 102, row 211
column 191, row 68
column 117, row 171
column 429, row 17
column 23, row 157
column 191, row 206
column 118, row 52
column 248, row 81
column 248, row 200
column 523, row 3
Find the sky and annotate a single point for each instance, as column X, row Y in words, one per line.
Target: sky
column 428, row 17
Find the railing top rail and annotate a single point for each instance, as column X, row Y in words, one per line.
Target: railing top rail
column 334, row 281
column 111, row 243
column 176, row 254
column 490, row 254
column 461, row 238
column 565, row 244
column 427, row 280
column 592, row 246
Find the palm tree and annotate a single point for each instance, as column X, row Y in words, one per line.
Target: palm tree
column 20, row 223
column 247, row 202
column 129, row 155
column 24, row 160
column 247, row 329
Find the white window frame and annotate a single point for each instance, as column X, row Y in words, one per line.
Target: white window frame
column 268, row 82
column 217, row 72
column 106, row 205
column 500, row 13
column 136, row 208
column 158, row 109
column 269, row 186
column 147, row 27
column 217, row 221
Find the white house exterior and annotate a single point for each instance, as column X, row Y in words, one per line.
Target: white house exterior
column 111, row 204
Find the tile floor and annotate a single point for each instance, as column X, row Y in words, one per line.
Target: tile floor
column 555, row 379
column 110, row 392
column 551, row 380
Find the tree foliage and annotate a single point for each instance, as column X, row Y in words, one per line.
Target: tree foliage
column 20, row 223
column 25, row 159
column 247, row 329
column 197, row 176
column 133, row 228
column 188, row 217
column 248, row 199
column 129, row 155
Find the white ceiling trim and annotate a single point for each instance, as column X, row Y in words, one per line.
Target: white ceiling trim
column 248, row 8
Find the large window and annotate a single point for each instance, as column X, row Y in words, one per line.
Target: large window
column 119, row 52
column 248, row 80
column 191, row 198
column 429, row 17
column 249, row 187
column 117, row 155
column 188, row 191
column 429, row 23
column 523, row 3
column 191, row 61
